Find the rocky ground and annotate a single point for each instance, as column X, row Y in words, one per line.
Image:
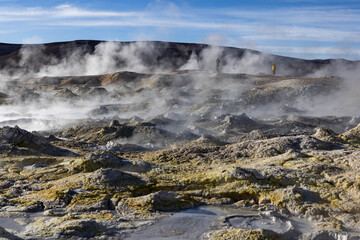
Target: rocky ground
column 149, row 145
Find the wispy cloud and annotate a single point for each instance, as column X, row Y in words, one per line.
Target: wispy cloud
column 312, row 24
column 312, row 50
column 61, row 11
column 68, row 11
column 309, row 16
column 287, row 33
column 317, row 24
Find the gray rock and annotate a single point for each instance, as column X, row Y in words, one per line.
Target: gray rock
column 114, row 123
column 112, row 179
column 102, row 203
column 276, row 146
column 256, row 135
column 18, row 141
column 99, row 91
column 56, row 203
column 327, row 235
column 137, row 166
column 3, row 95
column 7, row 235
column 87, row 228
column 245, row 173
column 65, row 93
column 94, row 161
column 34, row 207
column 6, row 183
column 29, row 96
column 127, row 147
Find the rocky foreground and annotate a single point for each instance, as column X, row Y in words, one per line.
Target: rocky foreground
column 118, row 170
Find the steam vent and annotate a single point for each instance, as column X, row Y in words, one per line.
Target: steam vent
column 159, row 140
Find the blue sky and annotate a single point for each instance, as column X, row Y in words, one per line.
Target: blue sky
column 305, row 29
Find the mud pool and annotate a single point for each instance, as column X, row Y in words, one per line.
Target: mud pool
column 194, row 223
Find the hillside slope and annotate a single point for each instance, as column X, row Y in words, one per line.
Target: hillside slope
column 152, row 54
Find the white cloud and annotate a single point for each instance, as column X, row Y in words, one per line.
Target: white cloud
column 63, row 6
column 165, row 8
column 312, row 50
column 304, row 15
column 306, row 34
column 61, row 11
column 68, row 11
column 251, row 27
column 27, row 12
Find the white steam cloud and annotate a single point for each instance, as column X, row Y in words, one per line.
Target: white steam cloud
column 162, row 92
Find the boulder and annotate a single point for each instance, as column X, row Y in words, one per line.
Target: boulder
column 114, row 123
column 127, row 147
column 329, row 235
column 94, row 161
column 82, row 228
column 17, row 141
column 65, row 93
column 89, row 202
column 7, row 235
column 99, row 91
column 158, row 201
column 3, row 95
column 29, row 96
column 107, row 178
column 353, row 134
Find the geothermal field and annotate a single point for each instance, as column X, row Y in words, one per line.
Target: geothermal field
column 156, row 140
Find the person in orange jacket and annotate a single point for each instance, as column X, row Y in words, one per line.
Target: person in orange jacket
column 273, row 68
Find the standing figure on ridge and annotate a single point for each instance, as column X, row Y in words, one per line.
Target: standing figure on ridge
column 218, row 65
column 273, row 68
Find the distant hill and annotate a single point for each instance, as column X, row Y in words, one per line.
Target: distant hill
column 170, row 55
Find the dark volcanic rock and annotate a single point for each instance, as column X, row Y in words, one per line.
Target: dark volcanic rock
column 127, row 147
column 19, row 142
column 7, row 235
column 98, row 133
column 114, row 123
column 3, row 95
column 29, row 96
column 242, row 119
column 99, row 91
column 65, row 93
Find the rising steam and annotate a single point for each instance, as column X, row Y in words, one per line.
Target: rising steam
column 164, row 93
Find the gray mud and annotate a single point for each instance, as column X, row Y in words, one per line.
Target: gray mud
column 11, row 224
column 188, row 224
column 254, row 222
column 193, row 223
column 18, row 223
